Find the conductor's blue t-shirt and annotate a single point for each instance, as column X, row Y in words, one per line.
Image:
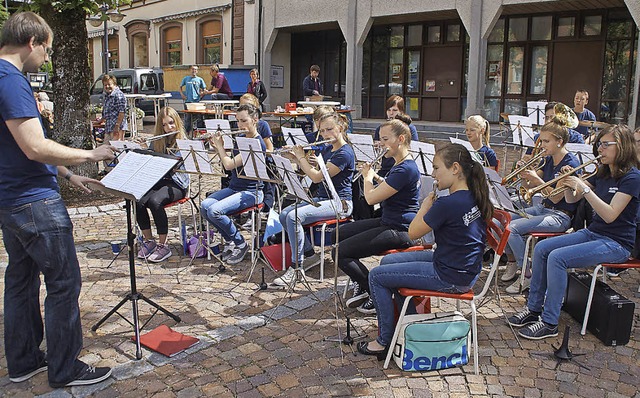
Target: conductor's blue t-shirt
column 21, row 180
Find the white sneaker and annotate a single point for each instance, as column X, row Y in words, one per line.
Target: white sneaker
column 514, row 288
column 510, row 272
column 287, row 278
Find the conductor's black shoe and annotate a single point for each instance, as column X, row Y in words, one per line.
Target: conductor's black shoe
column 41, row 368
column 363, row 348
column 89, row 375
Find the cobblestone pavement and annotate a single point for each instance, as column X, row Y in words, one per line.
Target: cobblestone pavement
column 238, row 355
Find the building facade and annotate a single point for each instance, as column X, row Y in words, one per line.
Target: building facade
column 451, row 58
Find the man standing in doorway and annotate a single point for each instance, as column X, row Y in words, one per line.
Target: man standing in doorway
column 311, row 85
column 194, row 87
column 36, row 229
column 220, row 89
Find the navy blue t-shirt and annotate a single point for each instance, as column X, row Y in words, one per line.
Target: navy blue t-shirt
column 623, row 228
column 399, row 210
column 345, row 160
column 21, row 180
column 263, row 129
column 489, row 156
column 244, row 184
column 585, row 115
column 460, row 234
column 387, row 163
column 549, row 172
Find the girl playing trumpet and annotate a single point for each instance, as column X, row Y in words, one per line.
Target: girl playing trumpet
column 613, row 193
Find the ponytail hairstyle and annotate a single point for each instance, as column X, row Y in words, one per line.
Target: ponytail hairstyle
column 403, row 117
column 473, row 173
column 626, row 157
column 483, row 124
column 252, row 110
column 248, row 98
column 161, row 145
column 399, row 128
column 340, row 120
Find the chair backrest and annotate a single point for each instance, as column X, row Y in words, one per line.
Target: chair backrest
column 497, row 236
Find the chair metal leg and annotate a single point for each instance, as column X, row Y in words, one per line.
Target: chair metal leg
column 594, row 279
column 396, row 332
column 528, row 247
column 474, row 331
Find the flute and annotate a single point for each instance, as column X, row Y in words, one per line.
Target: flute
column 157, row 137
column 208, row 135
column 377, row 159
column 311, row 145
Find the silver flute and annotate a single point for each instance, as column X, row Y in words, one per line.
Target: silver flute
column 310, row 145
column 158, row 137
column 376, row 160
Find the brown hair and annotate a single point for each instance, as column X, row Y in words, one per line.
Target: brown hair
column 557, row 129
column 314, row 68
column 395, row 100
column 399, row 128
column 162, row 144
column 584, row 91
column 21, row 27
column 626, row 157
column 108, row 77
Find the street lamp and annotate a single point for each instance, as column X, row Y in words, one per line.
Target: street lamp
column 96, row 21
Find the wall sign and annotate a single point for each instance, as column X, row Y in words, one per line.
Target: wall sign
column 277, row 76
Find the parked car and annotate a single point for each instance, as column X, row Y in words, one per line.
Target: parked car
column 133, row 81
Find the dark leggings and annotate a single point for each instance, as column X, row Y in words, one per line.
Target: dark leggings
column 365, row 238
column 164, row 192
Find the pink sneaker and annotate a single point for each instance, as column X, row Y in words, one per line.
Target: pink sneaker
column 161, row 253
column 146, row 248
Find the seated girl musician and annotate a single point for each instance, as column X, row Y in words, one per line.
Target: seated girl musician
column 613, row 194
column 398, row 197
column 340, row 161
column 459, row 224
column 170, row 188
column 478, row 133
column 241, row 193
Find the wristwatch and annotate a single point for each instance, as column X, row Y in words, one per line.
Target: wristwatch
column 586, row 190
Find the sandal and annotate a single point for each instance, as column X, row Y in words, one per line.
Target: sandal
column 363, row 348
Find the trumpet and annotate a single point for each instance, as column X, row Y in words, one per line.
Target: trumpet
column 376, row 160
column 308, row 146
column 512, row 179
column 539, row 189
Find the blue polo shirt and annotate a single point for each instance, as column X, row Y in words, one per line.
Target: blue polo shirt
column 399, row 210
column 345, row 159
column 549, row 172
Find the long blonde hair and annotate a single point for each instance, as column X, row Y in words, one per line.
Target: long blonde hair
column 483, row 124
column 162, row 144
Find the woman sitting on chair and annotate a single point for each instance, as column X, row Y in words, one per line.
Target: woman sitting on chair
column 459, row 224
column 241, row 193
column 478, row 133
column 340, row 161
column 170, row 188
column 398, row 197
column 613, row 194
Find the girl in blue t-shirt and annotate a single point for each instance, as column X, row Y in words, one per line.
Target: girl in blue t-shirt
column 554, row 214
column 395, row 109
column 613, row 194
column 478, row 133
column 241, row 193
column 398, row 197
column 340, row 161
column 459, row 225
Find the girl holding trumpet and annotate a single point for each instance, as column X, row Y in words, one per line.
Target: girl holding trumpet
column 613, row 194
column 398, row 196
column 554, row 213
column 170, row 188
column 240, row 194
column 340, row 161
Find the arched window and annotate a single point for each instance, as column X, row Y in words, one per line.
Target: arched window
column 172, row 44
column 209, row 31
column 114, row 54
column 138, row 36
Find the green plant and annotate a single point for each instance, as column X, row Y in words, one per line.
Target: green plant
column 93, row 108
column 139, row 113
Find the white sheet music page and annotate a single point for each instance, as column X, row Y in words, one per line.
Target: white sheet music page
column 290, row 178
column 363, row 147
column 294, row 136
column 337, row 202
column 253, row 160
column 584, row 153
column 138, row 173
column 523, row 134
column 192, row 151
column 213, row 125
column 123, row 146
column 423, row 154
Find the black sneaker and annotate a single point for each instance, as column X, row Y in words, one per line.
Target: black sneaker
column 90, row 375
column 613, row 272
column 368, row 307
column 359, row 296
column 238, row 254
column 523, row 318
column 227, row 249
column 42, row 368
column 539, row 330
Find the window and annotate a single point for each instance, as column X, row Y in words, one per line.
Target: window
column 566, row 26
column 518, row 29
column 397, row 36
column 541, row 28
column 516, row 69
column 172, row 47
column 453, row 33
column 210, row 41
column 592, row 25
column 539, row 57
column 414, row 36
column 114, row 60
column 433, row 34
column 138, row 36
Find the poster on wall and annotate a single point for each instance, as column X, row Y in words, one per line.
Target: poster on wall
column 430, row 85
column 277, row 76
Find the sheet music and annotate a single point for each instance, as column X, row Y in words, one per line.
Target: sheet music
column 363, row 147
column 475, row 155
column 535, row 110
column 584, row 153
column 253, row 160
column 290, row 178
column 190, row 149
column 297, row 134
column 498, row 194
column 138, row 173
column 212, row 125
column 423, row 154
column 123, row 146
column 335, row 199
column 524, row 134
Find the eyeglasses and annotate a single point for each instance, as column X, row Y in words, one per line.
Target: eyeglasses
column 605, row 144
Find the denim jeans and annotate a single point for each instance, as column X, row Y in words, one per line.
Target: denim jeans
column 307, row 214
column 414, row 270
column 217, row 206
column 38, row 237
column 542, row 220
column 552, row 257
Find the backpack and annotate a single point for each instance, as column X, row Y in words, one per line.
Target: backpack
column 432, row 341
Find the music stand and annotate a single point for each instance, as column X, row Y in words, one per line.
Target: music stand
column 535, row 112
column 423, row 154
column 127, row 180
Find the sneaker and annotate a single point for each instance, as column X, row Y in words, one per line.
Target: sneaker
column 227, row 249
column 514, row 288
column 91, row 375
column 161, row 253
column 237, row 254
column 510, row 272
column 539, row 330
column 523, row 318
column 311, row 261
column 42, row 368
column 613, row 272
column 368, row 307
column 359, row 296
column 287, row 278
column 146, row 248
column 247, row 225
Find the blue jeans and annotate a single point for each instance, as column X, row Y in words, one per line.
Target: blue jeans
column 217, row 206
column 553, row 256
column 38, row 237
column 542, row 220
column 414, row 270
column 307, row 214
